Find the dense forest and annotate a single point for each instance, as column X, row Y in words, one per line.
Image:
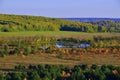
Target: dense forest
column 60, row 72
column 14, row 23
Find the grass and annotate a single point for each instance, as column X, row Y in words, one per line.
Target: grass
column 8, row 62
column 34, row 33
column 58, row 34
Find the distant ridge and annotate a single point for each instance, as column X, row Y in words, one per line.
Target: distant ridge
column 92, row 19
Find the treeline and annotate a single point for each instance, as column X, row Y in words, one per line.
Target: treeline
column 12, row 23
column 60, row 72
column 107, row 26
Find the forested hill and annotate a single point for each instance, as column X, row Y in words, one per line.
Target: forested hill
column 92, row 19
column 13, row 23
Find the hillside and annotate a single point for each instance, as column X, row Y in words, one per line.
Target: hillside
column 15, row 23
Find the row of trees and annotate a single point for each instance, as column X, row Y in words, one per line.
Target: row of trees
column 12, row 23
column 107, row 26
column 54, row 72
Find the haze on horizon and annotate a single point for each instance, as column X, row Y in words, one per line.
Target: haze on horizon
column 62, row 8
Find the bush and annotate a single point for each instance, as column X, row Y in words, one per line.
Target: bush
column 61, row 55
column 27, row 50
column 2, row 54
column 6, row 49
column 20, row 68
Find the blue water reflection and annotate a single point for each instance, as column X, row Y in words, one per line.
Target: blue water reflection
column 78, row 45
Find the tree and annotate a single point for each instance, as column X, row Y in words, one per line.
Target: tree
column 98, row 75
column 6, row 49
column 103, row 29
column 77, row 75
column 84, row 66
column 33, row 75
column 4, row 29
column 1, row 54
column 16, row 50
column 13, row 76
column 20, row 68
column 88, row 75
column 112, row 29
column 94, row 66
column 1, row 76
column 110, row 76
column 27, row 50
column 24, row 75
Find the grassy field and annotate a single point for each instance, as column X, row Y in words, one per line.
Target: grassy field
column 9, row 62
column 34, row 33
column 58, row 34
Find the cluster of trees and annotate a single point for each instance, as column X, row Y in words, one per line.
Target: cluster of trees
column 103, row 42
column 11, row 23
column 60, row 72
column 107, row 26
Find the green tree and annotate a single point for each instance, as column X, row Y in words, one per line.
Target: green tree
column 6, row 49
column 103, row 29
column 1, row 76
column 20, row 68
column 13, row 76
column 98, row 75
column 27, row 50
column 84, row 66
column 77, row 75
column 2, row 54
column 33, row 75
column 112, row 29
column 94, row 66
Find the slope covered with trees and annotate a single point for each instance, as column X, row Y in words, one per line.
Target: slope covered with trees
column 107, row 25
column 12, row 23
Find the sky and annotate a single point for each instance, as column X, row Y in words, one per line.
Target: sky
column 62, row 8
